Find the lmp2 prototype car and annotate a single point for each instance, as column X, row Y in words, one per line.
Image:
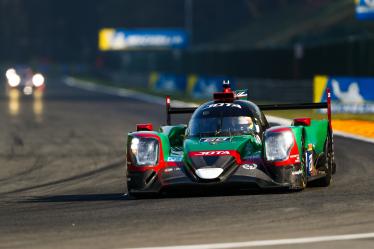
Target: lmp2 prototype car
column 229, row 143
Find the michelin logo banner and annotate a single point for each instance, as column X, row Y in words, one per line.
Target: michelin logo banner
column 122, row 39
column 348, row 95
column 365, row 9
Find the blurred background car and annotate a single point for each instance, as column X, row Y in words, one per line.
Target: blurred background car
column 23, row 78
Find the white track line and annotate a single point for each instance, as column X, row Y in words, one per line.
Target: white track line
column 148, row 98
column 278, row 242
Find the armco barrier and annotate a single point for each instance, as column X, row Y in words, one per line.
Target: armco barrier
column 264, row 90
column 201, row 87
column 270, row 90
column 198, row 87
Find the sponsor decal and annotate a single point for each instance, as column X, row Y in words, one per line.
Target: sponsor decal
column 173, row 169
column 309, row 160
column 214, row 139
column 249, row 166
column 297, row 158
column 175, row 158
column 241, row 94
column 299, row 172
column 224, row 104
column 211, row 153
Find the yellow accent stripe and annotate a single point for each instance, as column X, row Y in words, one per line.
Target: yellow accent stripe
column 319, row 87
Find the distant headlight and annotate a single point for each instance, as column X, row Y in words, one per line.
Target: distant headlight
column 37, row 80
column 278, row 145
column 27, row 90
column 144, row 151
column 14, row 80
column 10, row 72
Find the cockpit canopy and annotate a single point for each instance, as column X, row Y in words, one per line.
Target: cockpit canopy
column 226, row 119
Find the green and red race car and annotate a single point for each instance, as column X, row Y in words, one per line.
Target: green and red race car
column 228, row 143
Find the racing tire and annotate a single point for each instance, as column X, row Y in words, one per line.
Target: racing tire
column 332, row 154
column 304, row 178
column 328, row 164
column 302, row 183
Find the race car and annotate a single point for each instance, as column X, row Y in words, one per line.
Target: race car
column 23, row 78
column 228, row 143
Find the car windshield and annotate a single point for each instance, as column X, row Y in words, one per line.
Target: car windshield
column 222, row 126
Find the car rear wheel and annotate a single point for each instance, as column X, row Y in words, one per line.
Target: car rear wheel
column 328, row 164
column 301, row 183
column 304, row 178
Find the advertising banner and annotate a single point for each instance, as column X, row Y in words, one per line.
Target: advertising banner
column 201, row 87
column 167, row 82
column 123, row 39
column 348, row 94
column 365, row 9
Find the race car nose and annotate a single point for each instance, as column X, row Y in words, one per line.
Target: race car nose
column 210, row 167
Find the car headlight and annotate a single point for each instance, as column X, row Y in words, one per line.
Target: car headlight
column 278, row 145
column 38, row 80
column 14, row 80
column 144, row 151
column 10, row 72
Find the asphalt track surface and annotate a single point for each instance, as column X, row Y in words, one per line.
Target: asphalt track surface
column 62, row 185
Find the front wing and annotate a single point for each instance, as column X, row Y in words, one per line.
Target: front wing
column 177, row 175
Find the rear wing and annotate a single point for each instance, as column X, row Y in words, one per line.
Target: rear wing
column 273, row 107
